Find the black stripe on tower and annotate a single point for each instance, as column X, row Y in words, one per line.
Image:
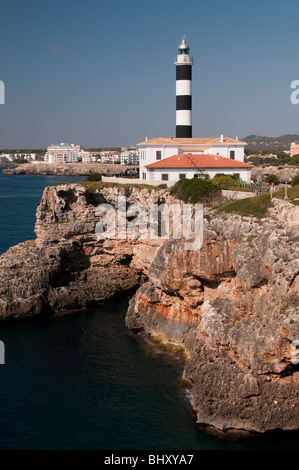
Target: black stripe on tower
column 183, row 72
column 183, row 131
column 183, row 102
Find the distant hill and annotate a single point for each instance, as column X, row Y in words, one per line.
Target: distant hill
column 261, row 142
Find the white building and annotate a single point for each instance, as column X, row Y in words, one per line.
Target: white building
column 129, row 157
column 154, row 151
column 109, row 156
column 63, row 153
column 159, row 148
column 189, row 166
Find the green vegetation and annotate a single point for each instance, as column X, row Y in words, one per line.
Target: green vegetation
column 257, row 206
column 94, row 177
column 222, row 181
column 292, row 193
column 252, row 206
column 272, row 179
column 37, row 151
column 194, row 190
column 281, row 160
column 266, row 145
column 295, row 180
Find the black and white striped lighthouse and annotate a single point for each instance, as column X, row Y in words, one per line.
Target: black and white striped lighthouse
column 183, row 63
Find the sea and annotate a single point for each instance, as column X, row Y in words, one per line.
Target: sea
column 84, row 381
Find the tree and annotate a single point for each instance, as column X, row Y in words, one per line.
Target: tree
column 226, row 182
column 94, row 177
column 295, row 180
column 272, row 179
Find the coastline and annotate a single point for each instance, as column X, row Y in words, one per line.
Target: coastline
column 71, row 169
column 221, row 306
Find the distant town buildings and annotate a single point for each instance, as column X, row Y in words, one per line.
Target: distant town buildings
column 63, row 153
column 15, row 157
column 129, row 156
column 70, row 153
column 294, row 148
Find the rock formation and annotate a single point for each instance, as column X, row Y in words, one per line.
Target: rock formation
column 233, row 306
column 69, row 169
column 67, row 268
column 285, row 174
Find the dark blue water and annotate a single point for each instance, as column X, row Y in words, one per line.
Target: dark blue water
column 19, row 198
column 84, row 381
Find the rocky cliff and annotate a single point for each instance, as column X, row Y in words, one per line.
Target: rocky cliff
column 233, row 307
column 69, row 169
column 67, row 267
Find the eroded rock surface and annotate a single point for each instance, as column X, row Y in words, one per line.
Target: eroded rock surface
column 67, row 267
column 233, row 306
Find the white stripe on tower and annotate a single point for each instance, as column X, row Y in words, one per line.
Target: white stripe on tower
column 183, row 118
column 183, row 63
column 183, row 87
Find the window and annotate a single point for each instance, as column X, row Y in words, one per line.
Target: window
column 158, row 155
column 165, row 176
column 182, row 176
column 236, row 175
column 232, row 154
column 144, row 176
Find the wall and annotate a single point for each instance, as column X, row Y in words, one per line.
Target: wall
column 148, row 155
column 224, row 151
column 173, row 173
column 114, row 179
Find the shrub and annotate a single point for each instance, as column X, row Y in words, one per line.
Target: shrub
column 272, row 179
column 295, row 180
column 94, row 177
column 226, row 182
column 252, row 206
column 194, row 190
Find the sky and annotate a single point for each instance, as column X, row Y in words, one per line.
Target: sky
column 101, row 73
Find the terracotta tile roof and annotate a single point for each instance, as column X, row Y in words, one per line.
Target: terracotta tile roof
column 191, row 141
column 198, row 161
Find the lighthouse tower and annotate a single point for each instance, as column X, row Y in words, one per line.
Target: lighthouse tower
column 183, row 63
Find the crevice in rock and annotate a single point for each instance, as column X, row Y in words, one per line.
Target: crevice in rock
column 209, row 283
column 172, row 293
column 71, row 264
column 125, row 260
column 293, row 279
column 226, row 275
column 94, row 199
column 68, row 196
column 289, row 370
column 261, row 283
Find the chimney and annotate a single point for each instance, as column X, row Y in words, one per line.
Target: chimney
column 146, row 139
column 221, row 138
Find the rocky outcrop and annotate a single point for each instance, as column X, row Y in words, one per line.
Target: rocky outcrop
column 285, row 174
column 67, row 267
column 233, row 306
column 69, row 169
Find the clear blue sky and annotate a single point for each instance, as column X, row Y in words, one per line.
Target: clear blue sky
column 101, row 73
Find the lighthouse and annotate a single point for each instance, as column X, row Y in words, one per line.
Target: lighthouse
column 183, row 63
